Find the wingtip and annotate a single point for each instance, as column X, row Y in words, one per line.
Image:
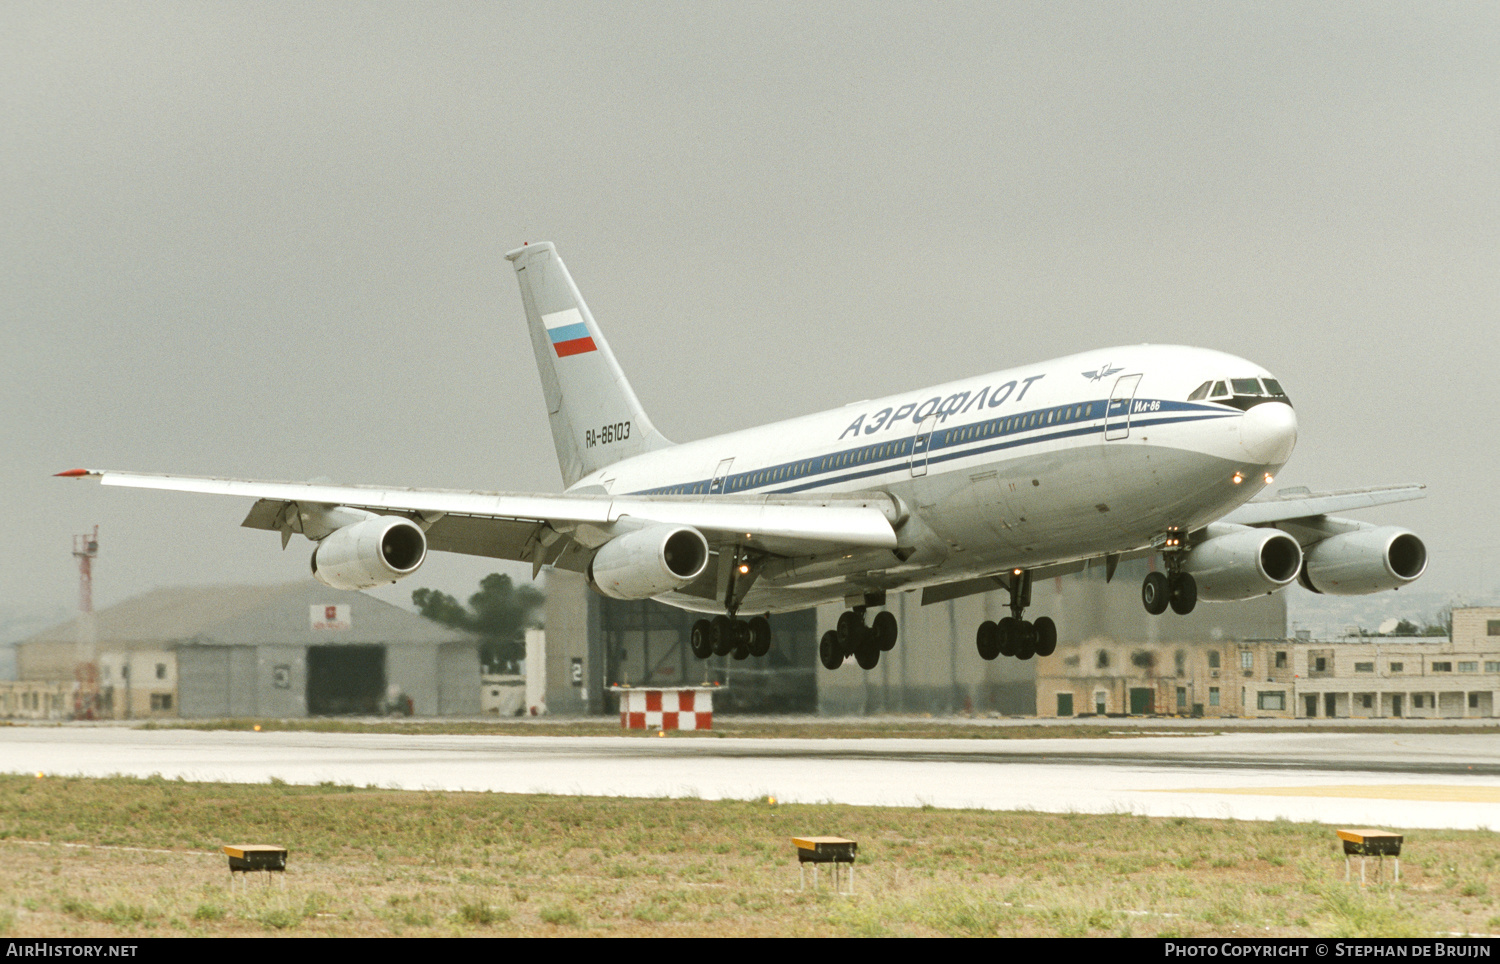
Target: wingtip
column 74, row 474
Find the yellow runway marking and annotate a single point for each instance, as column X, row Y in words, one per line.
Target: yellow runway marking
column 1398, row 791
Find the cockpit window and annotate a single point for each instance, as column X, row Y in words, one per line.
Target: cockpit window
column 1241, row 393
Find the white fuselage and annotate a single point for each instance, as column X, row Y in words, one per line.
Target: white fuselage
column 1064, row 460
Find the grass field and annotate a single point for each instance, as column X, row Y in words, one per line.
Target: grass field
column 122, row 857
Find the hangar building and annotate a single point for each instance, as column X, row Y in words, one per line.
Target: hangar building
column 299, row 649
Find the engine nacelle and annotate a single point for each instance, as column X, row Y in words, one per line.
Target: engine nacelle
column 370, row 553
column 1239, row 562
column 649, row 562
column 1364, row 561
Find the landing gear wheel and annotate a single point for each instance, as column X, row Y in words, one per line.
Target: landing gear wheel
column 885, row 630
column 987, row 640
column 1005, row 630
column 1025, row 639
column 700, row 641
column 760, row 636
column 721, row 635
column 1155, row 593
column 850, row 628
column 867, row 651
column 741, row 633
column 1184, row 593
column 830, row 651
column 1046, row 636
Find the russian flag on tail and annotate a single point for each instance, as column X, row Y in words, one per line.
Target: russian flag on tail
column 569, row 334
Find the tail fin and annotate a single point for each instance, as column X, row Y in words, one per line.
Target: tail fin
column 596, row 418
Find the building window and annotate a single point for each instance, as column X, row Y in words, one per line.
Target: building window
column 1366, row 700
column 1397, row 667
column 1443, row 667
column 161, row 670
column 1418, row 701
column 1181, row 660
column 1213, row 696
column 1492, row 666
column 1364, row 667
column 1281, row 660
column 1182, row 697
column 1247, row 660
column 1468, row 666
column 1271, row 700
column 161, row 701
column 1321, row 664
column 1494, row 627
column 1473, row 701
column 1101, row 659
column 1064, row 704
column 1213, row 659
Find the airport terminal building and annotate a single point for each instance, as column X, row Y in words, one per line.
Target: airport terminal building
column 1382, row 677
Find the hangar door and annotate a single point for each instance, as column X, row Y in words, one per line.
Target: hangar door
column 345, row 680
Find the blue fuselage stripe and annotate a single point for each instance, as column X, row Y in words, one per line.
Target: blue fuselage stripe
column 820, row 471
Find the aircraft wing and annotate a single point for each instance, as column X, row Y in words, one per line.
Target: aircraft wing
column 530, row 527
column 1299, row 503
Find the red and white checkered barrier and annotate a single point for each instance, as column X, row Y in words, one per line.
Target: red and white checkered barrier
column 686, row 708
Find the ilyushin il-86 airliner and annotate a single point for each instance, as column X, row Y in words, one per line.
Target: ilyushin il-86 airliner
column 983, row 484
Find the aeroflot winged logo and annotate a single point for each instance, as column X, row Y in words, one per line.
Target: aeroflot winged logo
column 570, row 336
column 1103, row 371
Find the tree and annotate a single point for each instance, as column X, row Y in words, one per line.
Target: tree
column 1441, row 624
column 500, row 612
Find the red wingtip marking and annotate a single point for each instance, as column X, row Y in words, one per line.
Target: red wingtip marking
column 72, row 474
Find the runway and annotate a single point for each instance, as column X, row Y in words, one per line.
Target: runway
column 1401, row 780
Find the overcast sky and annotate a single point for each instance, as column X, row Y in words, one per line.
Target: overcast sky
column 266, row 239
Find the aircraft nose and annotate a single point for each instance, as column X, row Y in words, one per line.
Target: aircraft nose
column 1268, row 432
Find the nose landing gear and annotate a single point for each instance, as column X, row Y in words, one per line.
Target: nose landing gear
column 1173, row 588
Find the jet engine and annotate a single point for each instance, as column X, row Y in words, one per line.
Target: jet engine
column 1367, row 560
column 375, row 552
column 649, row 562
column 1240, row 562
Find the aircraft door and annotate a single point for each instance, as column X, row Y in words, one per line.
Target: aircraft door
column 716, row 487
column 1117, row 413
column 920, row 443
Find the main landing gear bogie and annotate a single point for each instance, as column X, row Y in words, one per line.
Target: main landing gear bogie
column 1179, row 590
column 723, row 636
column 1016, row 637
column 854, row 638
column 1013, row 635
